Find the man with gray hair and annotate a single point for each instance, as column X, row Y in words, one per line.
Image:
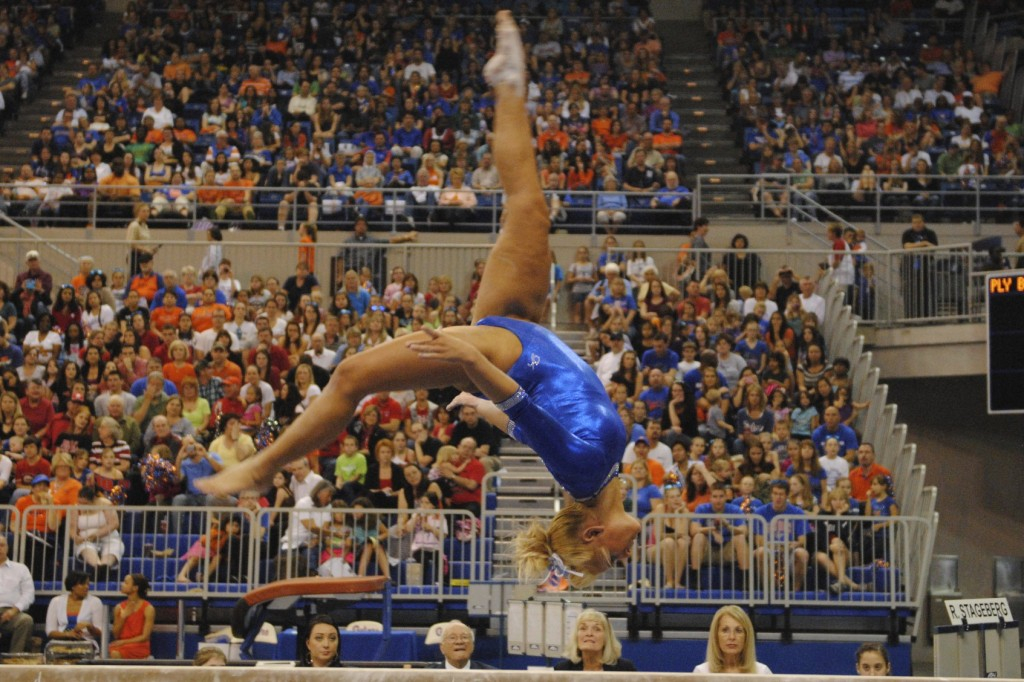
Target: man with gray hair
column 117, row 409
column 152, row 401
column 457, row 645
column 115, row 387
column 318, row 352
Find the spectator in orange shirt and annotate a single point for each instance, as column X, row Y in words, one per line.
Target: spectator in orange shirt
column 178, row 366
column 236, row 201
column 578, row 74
column 146, row 281
column 223, row 368
column 182, row 133
column 209, row 195
column 202, row 315
column 177, row 67
column 259, row 83
column 85, row 266
column 166, row 314
column 554, row 132
column 667, row 142
column 118, row 191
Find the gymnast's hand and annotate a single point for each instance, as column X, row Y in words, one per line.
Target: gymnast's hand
column 441, row 346
column 465, row 399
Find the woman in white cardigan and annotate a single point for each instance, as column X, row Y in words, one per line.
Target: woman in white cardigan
column 75, row 615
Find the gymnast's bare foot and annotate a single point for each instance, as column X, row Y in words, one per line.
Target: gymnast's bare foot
column 247, row 475
column 508, row 65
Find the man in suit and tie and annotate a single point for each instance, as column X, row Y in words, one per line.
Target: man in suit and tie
column 457, row 644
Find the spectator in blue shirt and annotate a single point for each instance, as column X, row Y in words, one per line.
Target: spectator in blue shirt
column 710, row 533
column 660, row 356
column 751, row 348
column 611, row 205
column 194, row 463
column 672, row 195
column 11, row 356
column 833, row 428
column 656, row 395
column 788, row 535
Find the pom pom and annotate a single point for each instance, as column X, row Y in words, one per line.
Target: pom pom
column 672, row 480
column 266, row 434
column 117, row 495
column 157, row 472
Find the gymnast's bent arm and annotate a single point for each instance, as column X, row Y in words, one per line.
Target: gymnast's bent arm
column 488, row 378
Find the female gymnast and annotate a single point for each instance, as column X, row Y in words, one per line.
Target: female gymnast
column 536, row 389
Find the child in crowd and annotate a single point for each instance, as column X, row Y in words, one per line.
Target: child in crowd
column 208, row 546
column 80, row 470
column 805, row 416
column 881, row 503
column 715, row 426
column 336, row 558
column 367, row 533
column 252, row 417
column 834, row 466
column 429, row 529
column 118, row 288
column 107, row 475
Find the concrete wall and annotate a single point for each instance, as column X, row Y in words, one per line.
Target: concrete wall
column 932, row 351
column 676, row 10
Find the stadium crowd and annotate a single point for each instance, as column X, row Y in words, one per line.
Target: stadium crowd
column 868, row 103
column 133, row 389
column 327, row 107
column 129, row 387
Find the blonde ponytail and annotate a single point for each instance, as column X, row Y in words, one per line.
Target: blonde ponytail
column 564, row 536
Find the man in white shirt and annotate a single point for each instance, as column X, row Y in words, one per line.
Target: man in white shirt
column 810, row 301
column 299, row 543
column 115, row 387
column 204, row 341
column 968, row 110
column 608, row 364
column 938, row 90
column 303, row 479
column 161, row 115
column 907, row 94
column 485, row 177
column 303, row 104
column 17, row 592
column 659, row 452
column 318, row 352
column 426, row 70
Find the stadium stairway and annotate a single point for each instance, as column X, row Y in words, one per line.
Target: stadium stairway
column 37, row 112
column 708, row 140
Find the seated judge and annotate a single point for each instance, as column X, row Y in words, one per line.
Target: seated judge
column 457, row 645
column 594, row 647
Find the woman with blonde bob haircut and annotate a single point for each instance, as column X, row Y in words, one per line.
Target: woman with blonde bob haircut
column 593, row 646
column 731, row 644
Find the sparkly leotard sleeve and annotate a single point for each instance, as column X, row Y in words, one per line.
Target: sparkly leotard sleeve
column 562, row 411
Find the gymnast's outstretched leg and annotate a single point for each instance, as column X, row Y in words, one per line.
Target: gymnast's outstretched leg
column 515, row 282
column 514, row 285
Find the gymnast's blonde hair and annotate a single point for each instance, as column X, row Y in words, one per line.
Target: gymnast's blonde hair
column 564, row 536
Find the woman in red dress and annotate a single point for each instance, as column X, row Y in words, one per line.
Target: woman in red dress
column 133, row 620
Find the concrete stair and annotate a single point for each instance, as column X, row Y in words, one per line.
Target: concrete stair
column 708, row 139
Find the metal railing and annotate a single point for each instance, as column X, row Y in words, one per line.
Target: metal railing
column 181, row 206
column 971, row 199
column 730, row 567
column 213, row 552
column 934, row 285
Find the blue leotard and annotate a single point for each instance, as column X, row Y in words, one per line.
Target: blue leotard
column 563, row 411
